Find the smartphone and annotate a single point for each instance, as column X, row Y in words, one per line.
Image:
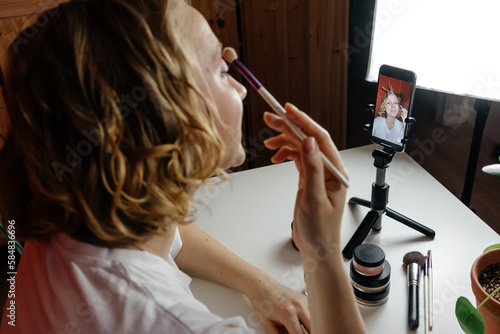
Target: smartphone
column 395, row 92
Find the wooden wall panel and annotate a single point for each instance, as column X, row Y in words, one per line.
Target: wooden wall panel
column 11, row 8
column 9, row 29
column 293, row 48
column 4, row 117
column 221, row 15
column 328, row 26
column 273, row 49
column 15, row 15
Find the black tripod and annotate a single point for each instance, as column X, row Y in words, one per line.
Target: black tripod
column 378, row 204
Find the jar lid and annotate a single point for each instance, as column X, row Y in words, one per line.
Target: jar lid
column 372, row 281
column 369, row 255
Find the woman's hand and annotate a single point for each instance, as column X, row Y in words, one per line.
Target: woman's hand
column 321, row 197
column 318, row 212
column 404, row 113
column 275, row 305
column 278, row 307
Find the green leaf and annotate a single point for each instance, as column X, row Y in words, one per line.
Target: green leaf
column 492, row 247
column 468, row 316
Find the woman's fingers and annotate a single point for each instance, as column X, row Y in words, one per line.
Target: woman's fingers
column 313, row 129
column 274, row 121
column 309, row 127
column 404, row 113
column 305, row 320
column 278, row 141
column 285, row 153
column 277, row 123
column 280, row 309
column 313, row 172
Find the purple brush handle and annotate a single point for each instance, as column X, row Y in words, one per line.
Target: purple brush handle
column 247, row 74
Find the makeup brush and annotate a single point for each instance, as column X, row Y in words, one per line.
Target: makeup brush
column 231, row 57
column 413, row 261
column 426, row 295
column 431, row 294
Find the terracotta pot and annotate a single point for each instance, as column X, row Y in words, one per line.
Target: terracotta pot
column 491, row 309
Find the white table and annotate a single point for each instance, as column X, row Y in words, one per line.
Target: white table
column 251, row 215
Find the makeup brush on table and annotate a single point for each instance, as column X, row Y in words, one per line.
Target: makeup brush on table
column 231, row 57
column 431, row 297
column 412, row 262
column 426, row 295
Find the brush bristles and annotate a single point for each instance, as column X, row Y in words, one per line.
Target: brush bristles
column 229, row 55
column 414, row 257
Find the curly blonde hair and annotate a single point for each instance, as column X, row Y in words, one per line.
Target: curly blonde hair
column 383, row 105
column 109, row 131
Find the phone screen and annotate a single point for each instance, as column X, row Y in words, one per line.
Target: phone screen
column 393, row 106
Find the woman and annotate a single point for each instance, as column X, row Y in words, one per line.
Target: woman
column 387, row 126
column 119, row 111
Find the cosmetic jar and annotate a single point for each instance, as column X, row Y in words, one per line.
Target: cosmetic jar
column 370, row 275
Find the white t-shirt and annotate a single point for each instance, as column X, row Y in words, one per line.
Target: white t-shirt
column 381, row 130
column 66, row 286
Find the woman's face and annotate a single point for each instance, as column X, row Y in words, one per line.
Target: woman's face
column 392, row 106
column 226, row 92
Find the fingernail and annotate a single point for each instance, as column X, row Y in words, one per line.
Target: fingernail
column 292, row 106
column 310, row 145
column 276, row 123
column 292, row 115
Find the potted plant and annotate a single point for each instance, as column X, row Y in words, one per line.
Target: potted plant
column 400, row 96
column 486, row 318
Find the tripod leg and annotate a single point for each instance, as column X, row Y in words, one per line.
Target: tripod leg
column 360, row 201
column 410, row 223
column 361, row 233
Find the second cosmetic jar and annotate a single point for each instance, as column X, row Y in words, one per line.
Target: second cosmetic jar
column 370, row 275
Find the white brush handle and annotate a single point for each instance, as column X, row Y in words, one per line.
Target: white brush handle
column 431, row 298
column 278, row 109
column 426, row 304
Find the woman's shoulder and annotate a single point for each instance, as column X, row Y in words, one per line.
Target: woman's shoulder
column 378, row 120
